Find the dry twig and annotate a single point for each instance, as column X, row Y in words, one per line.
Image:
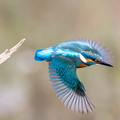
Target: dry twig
column 7, row 53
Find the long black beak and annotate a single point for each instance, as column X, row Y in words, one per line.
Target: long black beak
column 105, row 63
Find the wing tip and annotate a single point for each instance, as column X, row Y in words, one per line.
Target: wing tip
column 74, row 101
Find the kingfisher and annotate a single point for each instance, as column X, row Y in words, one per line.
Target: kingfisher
column 63, row 60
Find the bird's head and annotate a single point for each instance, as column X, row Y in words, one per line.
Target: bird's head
column 89, row 52
column 93, row 53
column 88, row 58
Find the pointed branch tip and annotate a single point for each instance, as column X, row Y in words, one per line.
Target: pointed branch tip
column 7, row 53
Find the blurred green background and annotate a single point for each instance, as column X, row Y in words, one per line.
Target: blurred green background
column 25, row 90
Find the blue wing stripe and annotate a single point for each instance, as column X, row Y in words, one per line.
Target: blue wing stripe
column 57, row 84
column 58, row 88
column 54, row 77
column 61, row 90
column 53, row 81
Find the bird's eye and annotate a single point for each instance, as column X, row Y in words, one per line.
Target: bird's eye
column 96, row 60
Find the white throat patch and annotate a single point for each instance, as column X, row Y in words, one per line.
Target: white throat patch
column 82, row 58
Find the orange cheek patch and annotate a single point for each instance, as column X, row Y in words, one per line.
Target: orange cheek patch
column 97, row 60
column 82, row 65
column 89, row 60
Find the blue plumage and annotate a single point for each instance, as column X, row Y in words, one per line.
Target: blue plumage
column 63, row 61
column 44, row 54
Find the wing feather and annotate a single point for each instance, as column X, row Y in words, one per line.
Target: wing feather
column 65, row 86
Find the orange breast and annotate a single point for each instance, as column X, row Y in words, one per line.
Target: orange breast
column 82, row 65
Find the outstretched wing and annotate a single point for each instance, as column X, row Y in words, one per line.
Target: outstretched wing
column 67, row 86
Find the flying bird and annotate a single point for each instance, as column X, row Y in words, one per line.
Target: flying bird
column 63, row 60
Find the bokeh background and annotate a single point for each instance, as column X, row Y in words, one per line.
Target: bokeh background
column 25, row 90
